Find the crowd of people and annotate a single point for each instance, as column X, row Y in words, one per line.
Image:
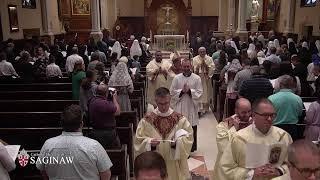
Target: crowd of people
column 266, row 76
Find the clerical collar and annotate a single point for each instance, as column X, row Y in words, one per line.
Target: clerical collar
column 256, row 130
column 168, row 113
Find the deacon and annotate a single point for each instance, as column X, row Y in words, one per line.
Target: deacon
column 261, row 133
column 157, row 73
column 186, row 90
column 230, row 125
column 203, row 66
column 168, row 133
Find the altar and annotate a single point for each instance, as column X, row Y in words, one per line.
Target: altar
column 169, row 42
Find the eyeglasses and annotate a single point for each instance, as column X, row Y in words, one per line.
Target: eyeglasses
column 306, row 172
column 272, row 115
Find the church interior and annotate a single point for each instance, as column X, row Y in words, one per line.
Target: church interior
column 30, row 110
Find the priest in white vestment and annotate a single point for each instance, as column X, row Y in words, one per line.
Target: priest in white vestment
column 242, row 159
column 204, row 67
column 157, row 73
column 168, row 133
column 225, row 129
column 186, row 90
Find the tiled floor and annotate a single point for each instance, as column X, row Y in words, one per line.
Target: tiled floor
column 207, row 147
column 207, row 139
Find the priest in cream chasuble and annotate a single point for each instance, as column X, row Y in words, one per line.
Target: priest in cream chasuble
column 157, row 74
column 168, row 133
column 204, row 67
column 258, row 151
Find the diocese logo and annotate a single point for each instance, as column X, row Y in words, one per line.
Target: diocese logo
column 23, row 158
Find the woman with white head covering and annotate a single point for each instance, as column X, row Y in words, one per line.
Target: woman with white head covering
column 233, row 44
column 135, row 49
column 123, row 59
column 261, row 57
column 121, row 80
column 276, row 43
column 251, row 51
column 116, row 48
column 305, row 45
column 289, row 40
column 144, row 44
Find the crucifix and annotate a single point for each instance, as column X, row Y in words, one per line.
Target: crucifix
column 167, row 9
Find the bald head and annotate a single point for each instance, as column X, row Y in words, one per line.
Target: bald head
column 304, row 155
column 300, row 148
column 243, row 109
column 102, row 90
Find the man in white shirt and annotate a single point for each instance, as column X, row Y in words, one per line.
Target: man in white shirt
column 90, row 160
column 273, row 57
column 53, row 70
column 6, row 68
column 72, row 59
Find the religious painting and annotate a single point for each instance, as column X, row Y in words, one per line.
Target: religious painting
column 275, row 154
column 272, row 9
column 29, row 4
column 13, row 18
column 80, row 7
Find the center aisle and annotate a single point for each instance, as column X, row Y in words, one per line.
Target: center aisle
column 207, row 147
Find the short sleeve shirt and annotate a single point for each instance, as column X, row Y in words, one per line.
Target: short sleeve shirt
column 88, row 157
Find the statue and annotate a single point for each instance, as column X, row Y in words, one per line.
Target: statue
column 255, row 9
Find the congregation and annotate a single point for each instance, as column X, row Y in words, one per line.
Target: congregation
column 265, row 81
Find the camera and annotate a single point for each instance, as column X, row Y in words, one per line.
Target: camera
column 111, row 92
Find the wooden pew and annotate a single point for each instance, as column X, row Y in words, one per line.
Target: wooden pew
column 37, row 87
column 35, row 95
column 126, row 135
column 35, row 105
column 53, row 119
column 137, row 106
column 139, row 94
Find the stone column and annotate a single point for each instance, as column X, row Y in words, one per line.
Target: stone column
column 242, row 29
column 104, row 14
column 290, row 17
column 47, row 14
column 95, row 20
column 220, row 23
column 231, row 17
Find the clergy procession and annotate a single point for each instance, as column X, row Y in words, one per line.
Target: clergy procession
column 160, row 90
